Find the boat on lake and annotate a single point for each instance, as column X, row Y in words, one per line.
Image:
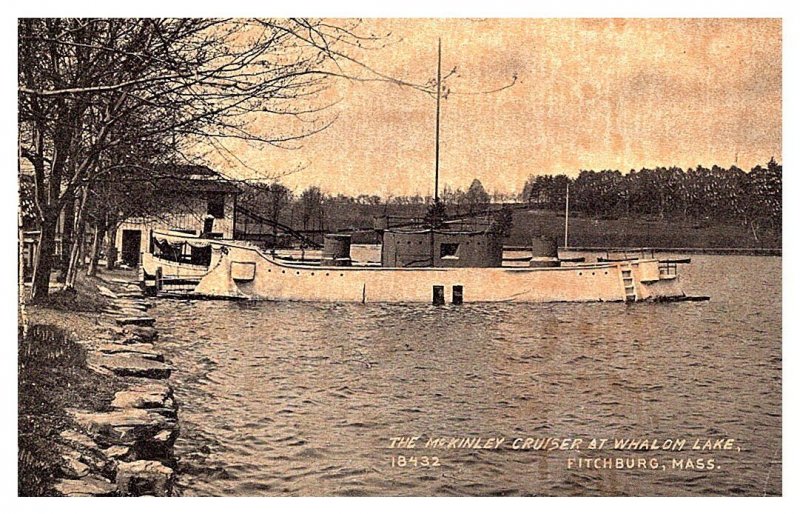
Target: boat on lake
column 437, row 260
column 417, row 266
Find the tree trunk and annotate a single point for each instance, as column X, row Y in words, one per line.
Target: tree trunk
column 111, row 249
column 77, row 243
column 67, row 239
column 74, row 259
column 94, row 255
column 82, row 245
column 43, row 262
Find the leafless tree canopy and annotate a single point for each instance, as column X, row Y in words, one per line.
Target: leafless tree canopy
column 110, row 99
column 104, row 98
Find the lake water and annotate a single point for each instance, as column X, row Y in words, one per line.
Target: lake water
column 303, row 399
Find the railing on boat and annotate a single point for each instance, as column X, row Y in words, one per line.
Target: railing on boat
column 627, row 255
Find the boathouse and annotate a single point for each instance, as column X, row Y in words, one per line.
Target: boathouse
column 197, row 201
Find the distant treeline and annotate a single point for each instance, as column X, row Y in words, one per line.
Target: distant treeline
column 706, row 196
column 713, row 194
column 312, row 209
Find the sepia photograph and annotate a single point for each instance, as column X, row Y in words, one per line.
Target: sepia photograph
column 420, row 257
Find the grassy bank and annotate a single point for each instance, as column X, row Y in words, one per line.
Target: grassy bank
column 584, row 231
column 53, row 376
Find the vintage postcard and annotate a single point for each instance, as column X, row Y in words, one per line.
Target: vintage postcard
column 400, row 257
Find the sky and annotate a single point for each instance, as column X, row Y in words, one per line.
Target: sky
column 589, row 94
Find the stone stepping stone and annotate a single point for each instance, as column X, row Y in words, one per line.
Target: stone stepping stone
column 86, row 486
column 145, row 396
column 130, row 294
column 145, row 334
column 130, row 300
column 75, row 438
column 81, row 456
column 125, row 427
column 126, row 298
column 131, row 307
column 122, row 281
column 144, row 350
column 140, row 321
column 132, row 303
column 129, row 340
column 71, row 465
column 121, row 453
column 106, row 291
column 130, row 365
column 144, row 478
column 129, row 312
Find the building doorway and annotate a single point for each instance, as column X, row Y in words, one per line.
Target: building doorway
column 131, row 247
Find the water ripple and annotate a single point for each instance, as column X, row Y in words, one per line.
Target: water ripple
column 301, row 399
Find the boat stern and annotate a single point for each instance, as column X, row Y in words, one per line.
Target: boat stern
column 657, row 281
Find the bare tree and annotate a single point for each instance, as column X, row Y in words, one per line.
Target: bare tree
column 311, row 207
column 89, row 86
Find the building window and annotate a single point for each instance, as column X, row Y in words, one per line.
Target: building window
column 216, row 205
column 449, row 249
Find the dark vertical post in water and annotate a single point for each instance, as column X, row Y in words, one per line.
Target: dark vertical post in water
column 438, row 295
column 159, row 277
column 458, row 295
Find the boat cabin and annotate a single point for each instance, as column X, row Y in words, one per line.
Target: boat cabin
column 441, row 248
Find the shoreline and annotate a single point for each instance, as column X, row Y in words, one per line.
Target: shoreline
column 110, row 429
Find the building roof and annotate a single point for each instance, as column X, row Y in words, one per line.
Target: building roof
column 186, row 178
column 187, row 170
column 190, row 178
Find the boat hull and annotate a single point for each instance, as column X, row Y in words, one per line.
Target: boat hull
column 245, row 272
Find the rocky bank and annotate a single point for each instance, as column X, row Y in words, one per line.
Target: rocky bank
column 124, row 448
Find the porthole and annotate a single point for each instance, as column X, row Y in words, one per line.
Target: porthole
column 580, row 273
column 297, row 272
column 341, row 274
column 327, row 274
column 312, row 273
column 283, row 271
column 593, row 273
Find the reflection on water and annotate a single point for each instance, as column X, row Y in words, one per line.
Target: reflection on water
column 302, row 399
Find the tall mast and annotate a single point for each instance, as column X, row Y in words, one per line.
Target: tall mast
column 566, row 220
column 438, row 102
column 434, row 211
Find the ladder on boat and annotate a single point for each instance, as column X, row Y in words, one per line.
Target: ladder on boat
column 628, row 284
